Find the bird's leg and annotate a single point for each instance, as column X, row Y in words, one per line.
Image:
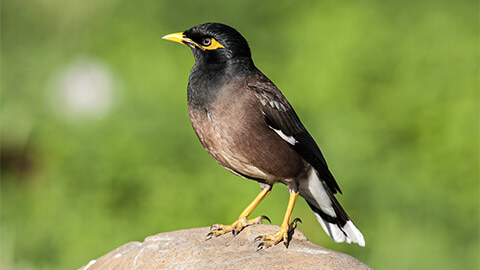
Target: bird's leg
column 241, row 222
column 286, row 229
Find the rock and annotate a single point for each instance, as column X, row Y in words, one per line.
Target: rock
column 188, row 249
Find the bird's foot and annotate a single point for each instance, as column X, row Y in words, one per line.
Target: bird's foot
column 284, row 234
column 236, row 227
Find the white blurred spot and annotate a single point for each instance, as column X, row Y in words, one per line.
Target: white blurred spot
column 84, row 89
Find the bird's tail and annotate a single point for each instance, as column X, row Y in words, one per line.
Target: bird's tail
column 328, row 211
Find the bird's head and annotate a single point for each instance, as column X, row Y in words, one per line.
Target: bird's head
column 213, row 43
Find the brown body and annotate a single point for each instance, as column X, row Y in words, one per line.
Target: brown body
column 242, row 148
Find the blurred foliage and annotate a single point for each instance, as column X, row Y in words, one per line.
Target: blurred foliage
column 389, row 89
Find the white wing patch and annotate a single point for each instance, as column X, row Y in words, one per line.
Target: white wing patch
column 290, row 139
column 277, row 105
column 265, row 99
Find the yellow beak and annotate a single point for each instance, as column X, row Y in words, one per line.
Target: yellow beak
column 179, row 38
column 175, row 37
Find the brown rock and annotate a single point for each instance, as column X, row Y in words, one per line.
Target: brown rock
column 188, row 249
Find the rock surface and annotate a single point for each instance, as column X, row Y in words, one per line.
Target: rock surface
column 187, row 249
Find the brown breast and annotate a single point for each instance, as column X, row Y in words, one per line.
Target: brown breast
column 233, row 130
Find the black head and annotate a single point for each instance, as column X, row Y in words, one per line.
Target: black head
column 213, row 43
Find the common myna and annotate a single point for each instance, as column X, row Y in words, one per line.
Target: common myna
column 248, row 126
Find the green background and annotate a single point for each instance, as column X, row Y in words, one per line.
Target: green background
column 389, row 90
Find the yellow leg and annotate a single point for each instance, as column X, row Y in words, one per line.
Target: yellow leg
column 249, row 209
column 285, row 229
column 242, row 222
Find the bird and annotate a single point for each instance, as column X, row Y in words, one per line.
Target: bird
column 247, row 125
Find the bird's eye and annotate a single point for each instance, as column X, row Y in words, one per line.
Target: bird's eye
column 206, row 41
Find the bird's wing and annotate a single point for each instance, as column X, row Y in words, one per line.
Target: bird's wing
column 281, row 118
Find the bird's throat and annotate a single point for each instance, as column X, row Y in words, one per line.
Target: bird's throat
column 207, row 81
column 204, row 86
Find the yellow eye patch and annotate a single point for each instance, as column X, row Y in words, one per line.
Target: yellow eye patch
column 206, row 44
column 213, row 45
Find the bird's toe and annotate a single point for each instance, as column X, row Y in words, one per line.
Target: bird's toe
column 284, row 234
column 236, row 227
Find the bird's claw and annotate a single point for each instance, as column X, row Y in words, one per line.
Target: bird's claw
column 236, row 227
column 293, row 225
column 284, row 234
column 261, row 218
column 210, row 235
